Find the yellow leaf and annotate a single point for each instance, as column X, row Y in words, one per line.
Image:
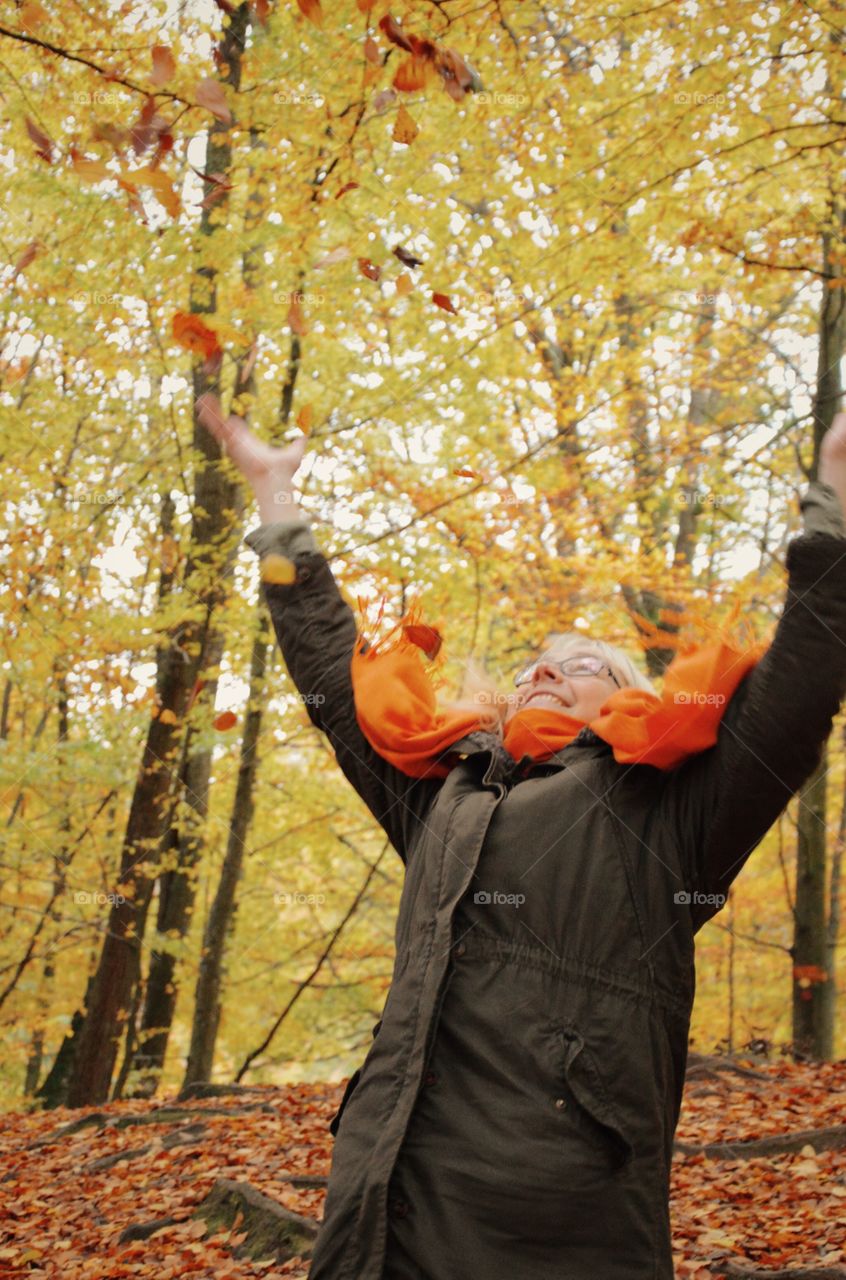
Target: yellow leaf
column 405, row 129
column 92, row 170
column 33, row 15
column 278, row 569
column 167, row 716
column 161, row 185
column 404, row 284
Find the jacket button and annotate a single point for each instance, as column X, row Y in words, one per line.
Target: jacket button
column 560, row 1102
column 458, row 949
column 430, row 1077
column 400, row 1208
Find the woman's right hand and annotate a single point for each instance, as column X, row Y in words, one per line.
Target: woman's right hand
column 269, row 468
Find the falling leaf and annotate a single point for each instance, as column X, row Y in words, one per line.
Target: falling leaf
column 369, row 269
column 261, row 8
column 226, row 720
column 190, row 332
column 167, row 716
column 28, row 255
column 384, row 99
column 405, row 129
column 425, row 638
column 412, row 74
column 164, row 65
column 209, row 94
column 161, row 184
column 296, row 320
column 198, row 685
column 249, row 363
column 468, row 471
column 304, row 419
column 334, row 255
column 43, row 144
column 311, row 10
column 278, row 570
column 365, row 5
column 404, row 284
column 457, row 76
column 395, row 33
column 442, row 301
column 406, row 258
column 350, row 186
column 92, row 170
column 371, row 52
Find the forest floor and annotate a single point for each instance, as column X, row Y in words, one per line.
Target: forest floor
column 229, row 1185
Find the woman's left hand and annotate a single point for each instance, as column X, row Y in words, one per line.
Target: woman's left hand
column 832, row 469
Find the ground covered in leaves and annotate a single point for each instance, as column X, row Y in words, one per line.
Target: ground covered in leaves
column 118, row 1191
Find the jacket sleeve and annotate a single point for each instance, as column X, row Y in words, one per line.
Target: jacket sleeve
column 316, row 631
column 720, row 803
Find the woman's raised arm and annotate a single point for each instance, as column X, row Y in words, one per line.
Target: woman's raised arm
column 316, row 628
column 720, row 804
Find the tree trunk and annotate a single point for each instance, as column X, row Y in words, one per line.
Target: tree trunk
column 209, row 565
column 813, row 1004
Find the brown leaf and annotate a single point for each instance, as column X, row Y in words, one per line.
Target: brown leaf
column 209, row 94
column 457, row 76
column 442, row 301
column 369, row 269
column 350, row 186
column 32, row 15
column 371, row 52
column 261, row 8
column 383, row 99
column 406, row 258
column 43, row 144
column 226, row 720
column 425, row 638
column 394, row 32
column 28, row 255
column 164, row 65
column 296, row 320
column 91, row 170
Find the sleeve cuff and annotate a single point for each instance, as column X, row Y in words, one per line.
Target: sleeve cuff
column 283, row 537
column 821, row 510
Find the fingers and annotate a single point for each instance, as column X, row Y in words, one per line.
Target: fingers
column 210, row 414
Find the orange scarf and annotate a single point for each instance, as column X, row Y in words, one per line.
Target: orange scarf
column 397, row 710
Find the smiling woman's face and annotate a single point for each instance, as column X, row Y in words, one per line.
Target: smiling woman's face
column 579, row 696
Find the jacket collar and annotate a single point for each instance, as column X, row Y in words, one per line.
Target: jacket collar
column 502, row 768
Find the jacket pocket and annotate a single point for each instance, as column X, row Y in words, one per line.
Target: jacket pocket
column 584, row 1086
column 350, row 1089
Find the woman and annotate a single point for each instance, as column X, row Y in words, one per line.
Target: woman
column 514, row 1117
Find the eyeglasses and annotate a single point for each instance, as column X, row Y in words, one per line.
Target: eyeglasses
column 584, row 666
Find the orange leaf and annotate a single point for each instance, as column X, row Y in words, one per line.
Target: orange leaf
column 442, row 301
column 304, row 419
column 190, row 332
column 167, row 716
column 468, row 471
column 405, row 128
column 164, row 65
column 161, row 184
column 225, row 720
column 369, row 269
column 33, row 15
column 371, row 52
column 404, row 284
column 426, row 638
column 28, row 255
column 412, row 74
column 350, row 186
column 365, row 5
column 261, row 8
column 93, row 170
column 209, row 94
column 311, row 9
